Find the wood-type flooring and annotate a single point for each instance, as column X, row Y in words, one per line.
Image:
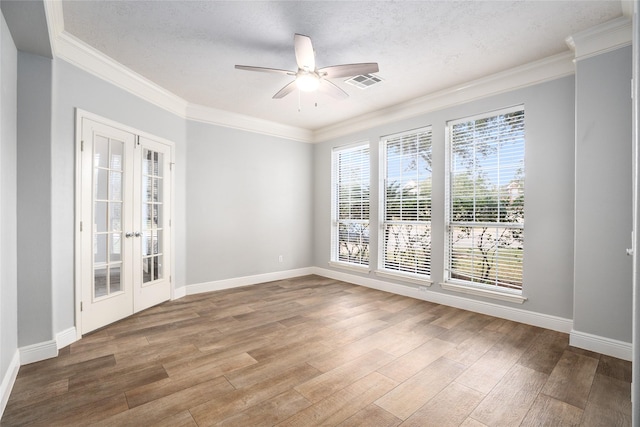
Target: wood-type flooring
column 315, row 351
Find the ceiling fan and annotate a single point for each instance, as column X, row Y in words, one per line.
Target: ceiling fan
column 308, row 78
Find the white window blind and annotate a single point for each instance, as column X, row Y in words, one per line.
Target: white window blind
column 485, row 206
column 406, row 218
column 351, row 204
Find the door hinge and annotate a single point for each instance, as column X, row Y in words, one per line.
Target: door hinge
column 80, row 225
column 169, row 223
column 169, row 279
column 171, row 166
column 81, row 145
column 80, row 305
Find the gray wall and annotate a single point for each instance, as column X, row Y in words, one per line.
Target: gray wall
column 603, row 220
column 74, row 88
column 34, row 199
column 8, row 235
column 549, row 190
column 249, row 199
column 269, row 174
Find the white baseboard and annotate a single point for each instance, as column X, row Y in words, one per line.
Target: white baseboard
column 37, row 352
column 8, row 380
column 608, row 346
column 179, row 293
column 515, row 314
column 66, row 337
column 246, row 280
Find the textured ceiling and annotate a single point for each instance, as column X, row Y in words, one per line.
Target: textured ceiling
column 190, row 47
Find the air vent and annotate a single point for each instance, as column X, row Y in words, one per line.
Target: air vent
column 364, row 81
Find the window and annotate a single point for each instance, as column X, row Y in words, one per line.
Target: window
column 485, row 201
column 350, row 183
column 406, row 216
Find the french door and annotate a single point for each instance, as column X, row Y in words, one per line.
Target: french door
column 125, row 204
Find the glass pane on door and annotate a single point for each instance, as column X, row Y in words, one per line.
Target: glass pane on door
column 107, row 216
column 152, row 207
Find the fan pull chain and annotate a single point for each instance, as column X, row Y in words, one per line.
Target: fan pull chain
column 299, row 108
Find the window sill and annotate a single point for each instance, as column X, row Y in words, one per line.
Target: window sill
column 488, row 293
column 353, row 267
column 404, row 277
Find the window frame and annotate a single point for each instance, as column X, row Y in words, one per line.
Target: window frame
column 461, row 285
column 383, row 270
column 335, row 220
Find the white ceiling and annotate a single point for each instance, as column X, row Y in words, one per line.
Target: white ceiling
column 190, row 47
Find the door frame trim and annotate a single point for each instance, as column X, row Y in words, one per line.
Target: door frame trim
column 81, row 114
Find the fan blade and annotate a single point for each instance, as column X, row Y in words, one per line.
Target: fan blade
column 305, row 56
column 348, row 70
column 285, row 90
column 330, row 89
column 264, row 70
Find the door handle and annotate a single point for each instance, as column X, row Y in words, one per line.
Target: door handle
column 137, row 234
column 128, row 234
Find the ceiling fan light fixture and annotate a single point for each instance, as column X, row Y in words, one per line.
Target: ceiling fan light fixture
column 307, row 82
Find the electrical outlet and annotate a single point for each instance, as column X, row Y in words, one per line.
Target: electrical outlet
column 423, row 289
column 280, row 258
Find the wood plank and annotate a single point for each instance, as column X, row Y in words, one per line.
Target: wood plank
column 336, row 379
column 272, row 367
column 545, row 351
column 203, row 362
column 571, row 379
column 213, row 411
column 344, row 403
column 609, row 403
column 360, row 356
column 372, row 415
column 470, row 422
column 450, row 407
column 614, row 368
column 489, row 369
column 181, row 419
column 410, row 395
column 549, row 412
column 182, row 379
column 270, row 412
column 416, row 360
column 508, row 403
column 470, row 350
column 160, row 409
column 33, row 395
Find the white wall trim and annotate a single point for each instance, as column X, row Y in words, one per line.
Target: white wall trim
column 236, row 282
column 37, row 352
column 223, row 118
column 408, row 277
column 516, row 314
column 179, row 293
column 551, row 68
column 66, row 337
column 608, row 346
column 78, row 53
column 9, row 380
column 601, row 38
column 97, row 63
column 482, row 292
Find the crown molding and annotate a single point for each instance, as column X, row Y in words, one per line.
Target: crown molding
column 85, row 57
column 550, row 68
column 69, row 48
column 608, row 36
column 223, row 118
column 602, row 38
column 55, row 22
